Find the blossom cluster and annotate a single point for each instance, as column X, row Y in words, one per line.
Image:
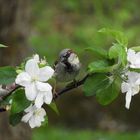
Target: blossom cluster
column 34, row 79
column 132, row 84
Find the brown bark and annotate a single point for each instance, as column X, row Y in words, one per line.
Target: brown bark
column 14, row 30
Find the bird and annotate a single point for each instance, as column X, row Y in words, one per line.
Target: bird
column 67, row 66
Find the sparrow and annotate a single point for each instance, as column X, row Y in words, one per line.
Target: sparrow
column 67, row 66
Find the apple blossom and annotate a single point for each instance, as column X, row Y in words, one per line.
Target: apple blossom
column 131, row 86
column 42, row 62
column 36, row 58
column 33, row 79
column 35, row 116
column 133, row 58
column 44, row 94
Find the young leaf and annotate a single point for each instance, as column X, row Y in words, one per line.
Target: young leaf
column 45, row 123
column 94, row 83
column 7, row 75
column 123, row 56
column 98, row 51
column 106, row 95
column 119, row 36
column 54, row 107
column 114, row 51
column 19, row 102
column 100, row 66
column 119, row 51
column 14, row 119
column 3, row 46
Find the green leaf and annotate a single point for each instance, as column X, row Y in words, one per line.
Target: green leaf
column 114, row 51
column 94, row 83
column 100, row 66
column 6, row 101
column 19, row 102
column 45, row 123
column 14, row 119
column 119, row 51
column 119, row 47
column 98, row 51
column 135, row 69
column 7, row 75
column 123, row 56
column 119, row 36
column 109, row 93
column 54, row 107
column 3, row 46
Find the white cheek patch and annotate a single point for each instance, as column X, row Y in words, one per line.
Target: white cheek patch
column 73, row 59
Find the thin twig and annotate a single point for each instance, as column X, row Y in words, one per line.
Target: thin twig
column 7, row 95
column 10, row 92
column 69, row 87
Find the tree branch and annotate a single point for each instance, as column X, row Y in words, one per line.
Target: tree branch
column 7, row 95
column 71, row 86
column 10, row 92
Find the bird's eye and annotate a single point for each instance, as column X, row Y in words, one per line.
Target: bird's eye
column 64, row 55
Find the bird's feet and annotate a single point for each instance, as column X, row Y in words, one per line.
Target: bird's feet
column 73, row 83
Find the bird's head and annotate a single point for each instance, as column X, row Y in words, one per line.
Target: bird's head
column 67, row 55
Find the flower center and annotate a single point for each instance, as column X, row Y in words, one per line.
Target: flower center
column 35, row 78
column 37, row 112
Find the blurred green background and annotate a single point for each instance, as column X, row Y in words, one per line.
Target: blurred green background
column 57, row 24
column 74, row 24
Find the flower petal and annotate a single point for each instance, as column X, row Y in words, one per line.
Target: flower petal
column 32, row 68
column 39, row 100
column 128, row 99
column 137, row 63
column 43, row 86
column 36, row 58
column 138, row 81
column 26, row 117
column 48, row 97
column 32, row 122
column 37, row 120
column 23, row 79
column 131, row 56
column 31, row 108
column 45, row 73
column 132, row 77
column 31, row 92
column 42, row 112
column 124, row 87
column 135, row 89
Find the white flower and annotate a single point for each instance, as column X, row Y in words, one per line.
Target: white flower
column 35, row 116
column 33, row 79
column 44, row 94
column 131, row 86
column 133, row 58
column 41, row 62
column 36, row 58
